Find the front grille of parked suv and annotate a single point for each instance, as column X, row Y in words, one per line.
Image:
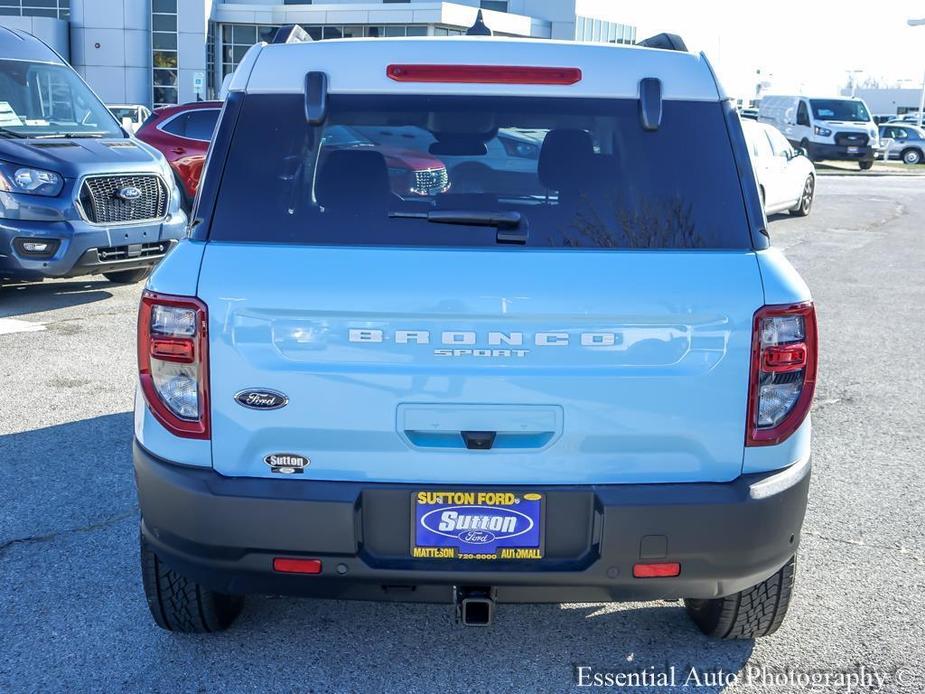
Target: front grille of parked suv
column 852, row 139
column 430, row 181
column 104, row 201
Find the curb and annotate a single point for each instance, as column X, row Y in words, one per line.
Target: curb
column 872, row 174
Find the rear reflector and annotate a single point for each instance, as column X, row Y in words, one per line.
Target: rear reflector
column 484, row 74
column 662, row 570
column 181, row 350
column 784, row 358
column 297, row 566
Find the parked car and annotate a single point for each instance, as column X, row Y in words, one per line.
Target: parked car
column 786, row 177
column 130, row 116
column 78, row 196
column 598, row 393
column 838, row 129
column 903, row 141
column 182, row 134
column 750, row 113
column 912, row 118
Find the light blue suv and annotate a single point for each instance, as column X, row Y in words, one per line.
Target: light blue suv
column 591, row 384
column 78, row 196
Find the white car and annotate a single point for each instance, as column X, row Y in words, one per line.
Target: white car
column 130, row 116
column 786, row 177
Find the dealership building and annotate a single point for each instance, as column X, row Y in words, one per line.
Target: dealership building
column 159, row 52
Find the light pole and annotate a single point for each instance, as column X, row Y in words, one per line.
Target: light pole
column 918, row 23
column 852, row 78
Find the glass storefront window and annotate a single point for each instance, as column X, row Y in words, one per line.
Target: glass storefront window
column 57, row 9
column 164, row 57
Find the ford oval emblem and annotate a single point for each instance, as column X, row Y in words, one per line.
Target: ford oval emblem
column 261, row 399
column 477, row 537
column 129, row 193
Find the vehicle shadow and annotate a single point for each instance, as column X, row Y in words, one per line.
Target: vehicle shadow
column 783, row 218
column 27, row 298
column 67, row 503
column 531, row 647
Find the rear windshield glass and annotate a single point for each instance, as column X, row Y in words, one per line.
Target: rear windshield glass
column 442, row 170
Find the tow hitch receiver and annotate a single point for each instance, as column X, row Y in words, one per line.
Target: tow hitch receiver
column 475, row 605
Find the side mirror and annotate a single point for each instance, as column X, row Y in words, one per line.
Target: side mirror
column 801, row 152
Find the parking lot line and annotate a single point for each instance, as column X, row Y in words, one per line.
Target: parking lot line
column 8, row 326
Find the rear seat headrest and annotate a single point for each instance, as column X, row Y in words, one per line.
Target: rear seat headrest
column 564, row 158
column 353, row 179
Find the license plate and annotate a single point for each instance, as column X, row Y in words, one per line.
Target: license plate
column 477, row 525
column 852, row 150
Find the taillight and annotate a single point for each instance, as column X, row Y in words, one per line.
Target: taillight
column 484, row 74
column 783, row 372
column 173, row 362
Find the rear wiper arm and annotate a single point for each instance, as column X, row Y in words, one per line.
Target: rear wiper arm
column 511, row 225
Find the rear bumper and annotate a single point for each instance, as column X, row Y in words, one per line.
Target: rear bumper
column 224, row 533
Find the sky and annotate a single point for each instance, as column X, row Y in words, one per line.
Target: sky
column 800, row 47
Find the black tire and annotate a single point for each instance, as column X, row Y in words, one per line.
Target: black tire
column 752, row 613
column 128, row 276
column 179, row 604
column 805, row 206
column 866, row 165
column 911, row 156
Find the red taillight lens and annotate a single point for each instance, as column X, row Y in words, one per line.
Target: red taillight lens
column 783, row 372
column 173, row 363
column 484, row 74
column 297, row 566
column 657, row 570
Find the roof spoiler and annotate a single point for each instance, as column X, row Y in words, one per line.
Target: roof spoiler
column 291, row 33
column 667, row 42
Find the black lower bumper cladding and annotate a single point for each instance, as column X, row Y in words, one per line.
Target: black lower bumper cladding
column 225, row 533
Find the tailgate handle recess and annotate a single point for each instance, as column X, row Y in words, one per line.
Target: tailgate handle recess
column 479, row 427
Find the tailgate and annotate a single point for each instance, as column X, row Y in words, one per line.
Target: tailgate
column 588, row 367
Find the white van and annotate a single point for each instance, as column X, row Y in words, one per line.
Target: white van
column 827, row 128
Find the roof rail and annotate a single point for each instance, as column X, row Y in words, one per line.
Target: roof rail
column 667, row 42
column 291, row 33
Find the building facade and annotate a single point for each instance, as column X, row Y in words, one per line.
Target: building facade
column 883, row 101
column 160, row 52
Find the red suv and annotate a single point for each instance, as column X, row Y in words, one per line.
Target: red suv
column 182, row 134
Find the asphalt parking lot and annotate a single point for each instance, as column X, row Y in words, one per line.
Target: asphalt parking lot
column 73, row 617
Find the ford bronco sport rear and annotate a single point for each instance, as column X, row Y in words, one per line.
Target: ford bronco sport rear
column 584, row 380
